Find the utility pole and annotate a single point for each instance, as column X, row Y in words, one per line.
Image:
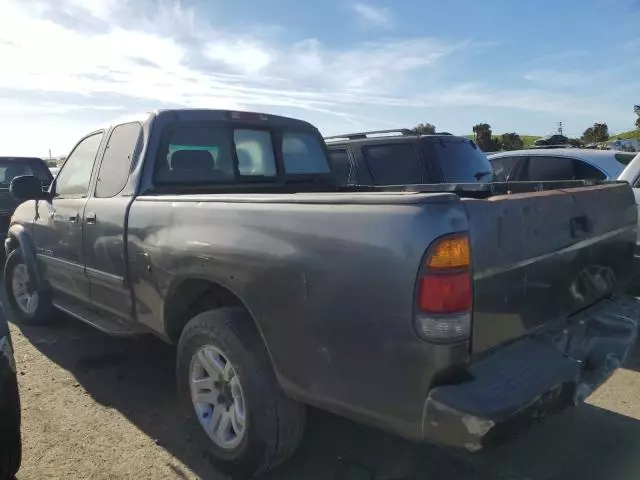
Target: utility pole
column 49, row 154
column 560, row 128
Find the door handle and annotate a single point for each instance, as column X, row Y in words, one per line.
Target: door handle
column 90, row 218
column 73, row 218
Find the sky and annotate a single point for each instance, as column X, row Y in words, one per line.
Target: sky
column 68, row 67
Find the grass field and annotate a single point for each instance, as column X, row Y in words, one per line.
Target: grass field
column 630, row 135
column 526, row 139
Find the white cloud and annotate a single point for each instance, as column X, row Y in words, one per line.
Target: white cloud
column 172, row 56
column 372, row 15
column 556, row 79
column 241, row 56
column 143, row 64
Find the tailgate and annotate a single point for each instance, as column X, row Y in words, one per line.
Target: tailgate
column 543, row 256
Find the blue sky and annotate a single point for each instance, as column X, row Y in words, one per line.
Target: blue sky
column 69, row 66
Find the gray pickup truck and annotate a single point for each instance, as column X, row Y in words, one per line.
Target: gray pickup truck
column 442, row 313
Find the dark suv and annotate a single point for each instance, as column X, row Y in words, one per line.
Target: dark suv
column 401, row 157
column 10, row 168
column 10, row 447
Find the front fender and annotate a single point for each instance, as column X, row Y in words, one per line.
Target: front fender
column 18, row 234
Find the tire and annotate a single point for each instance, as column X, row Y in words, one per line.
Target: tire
column 10, row 443
column 274, row 423
column 42, row 314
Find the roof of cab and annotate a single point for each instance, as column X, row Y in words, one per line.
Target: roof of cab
column 204, row 114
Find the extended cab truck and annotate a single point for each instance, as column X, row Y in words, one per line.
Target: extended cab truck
column 438, row 312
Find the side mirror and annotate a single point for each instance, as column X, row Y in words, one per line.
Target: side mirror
column 27, row 187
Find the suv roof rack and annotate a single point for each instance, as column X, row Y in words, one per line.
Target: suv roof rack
column 360, row 135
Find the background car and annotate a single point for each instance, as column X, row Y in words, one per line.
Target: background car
column 10, row 168
column 10, row 444
column 555, row 139
column 402, row 157
column 558, row 164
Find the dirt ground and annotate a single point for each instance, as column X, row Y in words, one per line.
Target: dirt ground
column 95, row 406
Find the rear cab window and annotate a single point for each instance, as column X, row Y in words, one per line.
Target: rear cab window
column 459, row 160
column 393, row 164
column 220, row 152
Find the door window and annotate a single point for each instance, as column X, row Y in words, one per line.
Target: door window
column 341, row 166
column 75, row 175
column 117, row 159
column 393, row 164
column 584, row 171
column 502, row 168
column 545, row 169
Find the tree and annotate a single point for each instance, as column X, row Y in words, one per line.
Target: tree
column 588, row 135
column 511, row 141
column 636, row 109
column 601, row 132
column 483, row 138
column 424, row 129
column 598, row 133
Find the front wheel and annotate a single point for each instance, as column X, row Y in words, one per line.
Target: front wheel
column 29, row 304
column 228, row 384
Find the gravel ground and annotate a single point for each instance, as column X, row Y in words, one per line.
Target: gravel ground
column 95, row 406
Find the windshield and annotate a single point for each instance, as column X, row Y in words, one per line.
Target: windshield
column 214, row 153
column 460, row 161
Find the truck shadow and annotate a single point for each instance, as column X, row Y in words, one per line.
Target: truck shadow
column 135, row 376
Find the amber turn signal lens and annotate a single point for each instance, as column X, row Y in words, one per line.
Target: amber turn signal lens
column 452, row 252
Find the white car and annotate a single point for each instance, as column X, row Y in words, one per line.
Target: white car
column 631, row 175
column 547, row 164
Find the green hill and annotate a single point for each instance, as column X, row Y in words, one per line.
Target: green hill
column 529, row 139
column 630, row 135
column 526, row 139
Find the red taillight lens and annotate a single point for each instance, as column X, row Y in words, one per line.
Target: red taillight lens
column 444, row 297
column 448, row 293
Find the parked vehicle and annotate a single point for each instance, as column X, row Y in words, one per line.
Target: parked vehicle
column 11, row 167
column 554, row 139
column 224, row 232
column 631, row 175
column 54, row 170
column 10, row 443
column 401, row 157
column 558, row 164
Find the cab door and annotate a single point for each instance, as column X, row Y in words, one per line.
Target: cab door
column 58, row 230
column 104, row 224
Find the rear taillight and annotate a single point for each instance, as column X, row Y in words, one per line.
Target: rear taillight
column 444, row 296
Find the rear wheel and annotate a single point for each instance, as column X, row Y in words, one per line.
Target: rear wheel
column 228, row 384
column 29, row 304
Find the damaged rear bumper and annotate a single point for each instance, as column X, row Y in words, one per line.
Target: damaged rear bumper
column 533, row 376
